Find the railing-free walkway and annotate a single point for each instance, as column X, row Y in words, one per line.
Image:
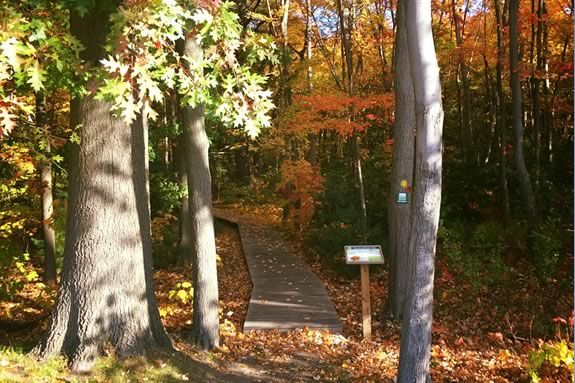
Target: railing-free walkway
column 285, row 294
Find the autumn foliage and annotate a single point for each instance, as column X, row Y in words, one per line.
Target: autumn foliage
column 299, row 185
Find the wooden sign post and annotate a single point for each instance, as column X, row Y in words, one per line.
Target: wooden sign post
column 365, row 302
column 364, row 256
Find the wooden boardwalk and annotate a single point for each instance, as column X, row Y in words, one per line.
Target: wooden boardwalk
column 286, row 294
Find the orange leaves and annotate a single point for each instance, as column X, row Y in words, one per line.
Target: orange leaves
column 341, row 113
column 300, row 182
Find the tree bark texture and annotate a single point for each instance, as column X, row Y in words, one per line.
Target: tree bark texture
column 107, row 234
column 47, row 199
column 205, row 321
column 402, row 169
column 516, row 106
column 416, row 327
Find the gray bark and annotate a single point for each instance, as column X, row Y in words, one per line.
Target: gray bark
column 47, row 199
column 516, row 106
column 107, row 233
column 416, row 328
column 205, row 321
column 401, row 169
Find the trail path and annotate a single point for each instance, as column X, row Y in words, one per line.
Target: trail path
column 286, row 294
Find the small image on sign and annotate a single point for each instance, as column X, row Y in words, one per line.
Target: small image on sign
column 363, row 255
column 401, row 197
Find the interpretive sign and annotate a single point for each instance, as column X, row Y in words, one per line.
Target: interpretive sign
column 363, row 255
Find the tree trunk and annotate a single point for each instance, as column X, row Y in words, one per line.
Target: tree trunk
column 416, row 328
column 47, row 205
column 463, row 71
column 518, row 157
column 312, row 136
column 285, row 56
column 205, row 321
column 107, row 233
column 501, row 121
column 242, row 162
column 401, row 169
column 185, row 251
column 357, row 160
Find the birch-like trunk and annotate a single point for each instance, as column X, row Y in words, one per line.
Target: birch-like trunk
column 416, row 327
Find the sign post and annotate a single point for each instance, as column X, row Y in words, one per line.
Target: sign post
column 364, row 256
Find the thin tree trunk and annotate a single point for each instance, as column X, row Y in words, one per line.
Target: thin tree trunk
column 185, row 250
column 205, row 321
column 47, row 204
column 285, row 60
column 501, row 121
column 463, row 71
column 518, row 157
column 242, row 163
column 416, row 329
column 312, row 136
column 357, row 155
column 400, row 263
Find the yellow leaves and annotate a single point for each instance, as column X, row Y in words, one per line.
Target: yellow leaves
column 166, row 311
column 503, row 355
column 184, row 292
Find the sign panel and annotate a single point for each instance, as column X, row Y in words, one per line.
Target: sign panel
column 363, row 255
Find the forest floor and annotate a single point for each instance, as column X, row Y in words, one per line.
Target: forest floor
column 480, row 333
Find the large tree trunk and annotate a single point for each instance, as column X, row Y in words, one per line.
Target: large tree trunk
column 205, row 321
column 416, row 329
column 516, row 105
column 107, row 233
column 47, row 200
column 401, row 170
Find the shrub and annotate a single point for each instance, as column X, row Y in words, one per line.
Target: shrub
column 548, row 240
column 557, row 354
